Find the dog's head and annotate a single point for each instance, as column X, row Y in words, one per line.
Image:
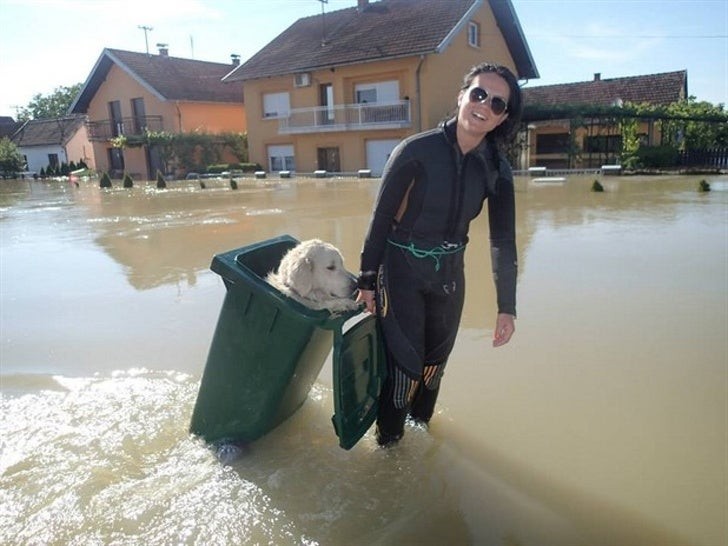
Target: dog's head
column 315, row 270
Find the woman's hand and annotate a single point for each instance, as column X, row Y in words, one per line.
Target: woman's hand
column 504, row 328
column 366, row 296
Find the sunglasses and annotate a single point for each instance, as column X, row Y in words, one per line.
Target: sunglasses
column 498, row 105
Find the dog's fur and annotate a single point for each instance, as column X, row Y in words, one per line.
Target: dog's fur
column 313, row 274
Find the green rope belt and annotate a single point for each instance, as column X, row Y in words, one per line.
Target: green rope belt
column 434, row 253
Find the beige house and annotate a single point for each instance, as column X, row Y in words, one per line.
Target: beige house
column 52, row 142
column 127, row 93
column 557, row 142
column 338, row 91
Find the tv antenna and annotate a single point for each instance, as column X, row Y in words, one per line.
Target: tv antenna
column 323, row 22
column 146, row 41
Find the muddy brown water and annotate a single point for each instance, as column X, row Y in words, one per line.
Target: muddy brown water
column 602, row 422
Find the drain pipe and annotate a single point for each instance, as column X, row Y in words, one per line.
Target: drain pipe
column 179, row 115
column 418, row 93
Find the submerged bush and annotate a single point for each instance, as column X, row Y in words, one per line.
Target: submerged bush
column 105, row 181
column 596, row 186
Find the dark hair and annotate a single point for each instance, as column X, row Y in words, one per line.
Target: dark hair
column 505, row 132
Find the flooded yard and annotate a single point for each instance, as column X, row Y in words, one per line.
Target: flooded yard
column 603, row 422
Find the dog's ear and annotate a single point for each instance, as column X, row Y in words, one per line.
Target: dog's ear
column 300, row 276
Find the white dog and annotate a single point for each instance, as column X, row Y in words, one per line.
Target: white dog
column 313, row 274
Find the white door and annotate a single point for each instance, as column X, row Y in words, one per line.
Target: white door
column 377, row 154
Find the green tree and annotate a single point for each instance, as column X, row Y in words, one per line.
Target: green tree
column 630, row 142
column 53, row 105
column 703, row 124
column 687, row 124
column 10, row 159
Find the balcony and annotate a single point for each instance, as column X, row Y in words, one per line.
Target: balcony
column 133, row 126
column 347, row 117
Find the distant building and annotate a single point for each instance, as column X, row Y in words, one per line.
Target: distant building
column 52, row 142
column 127, row 93
column 338, row 91
column 592, row 141
column 8, row 126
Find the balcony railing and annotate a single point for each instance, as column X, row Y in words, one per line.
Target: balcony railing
column 133, row 126
column 347, row 117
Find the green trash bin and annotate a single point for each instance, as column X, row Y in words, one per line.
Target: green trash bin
column 268, row 350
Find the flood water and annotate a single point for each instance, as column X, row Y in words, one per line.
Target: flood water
column 603, row 422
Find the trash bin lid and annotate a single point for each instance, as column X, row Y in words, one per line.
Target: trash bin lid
column 359, row 370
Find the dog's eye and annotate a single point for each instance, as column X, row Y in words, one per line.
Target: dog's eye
column 332, row 267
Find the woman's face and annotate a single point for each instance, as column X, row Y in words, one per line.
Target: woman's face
column 475, row 113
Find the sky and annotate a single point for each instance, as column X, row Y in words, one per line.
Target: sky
column 46, row 44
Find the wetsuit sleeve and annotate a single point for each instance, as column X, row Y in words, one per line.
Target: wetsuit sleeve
column 399, row 171
column 502, row 219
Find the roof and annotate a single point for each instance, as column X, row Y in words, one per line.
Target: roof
column 48, row 132
column 375, row 32
column 657, row 89
column 169, row 78
column 8, row 126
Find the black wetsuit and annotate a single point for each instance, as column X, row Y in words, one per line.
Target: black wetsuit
column 430, row 192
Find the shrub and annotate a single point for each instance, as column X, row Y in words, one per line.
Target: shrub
column 105, row 181
column 657, row 157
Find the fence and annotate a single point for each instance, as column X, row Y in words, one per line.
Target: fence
column 707, row 157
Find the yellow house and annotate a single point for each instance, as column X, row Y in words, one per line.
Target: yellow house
column 557, row 142
column 127, row 93
column 337, row 91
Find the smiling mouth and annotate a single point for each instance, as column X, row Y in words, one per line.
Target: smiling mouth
column 478, row 116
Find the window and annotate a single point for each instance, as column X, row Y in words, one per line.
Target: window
column 557, row 143
column 281, row 158
column 276, row 105
column 387, row 91
column 53, row 160
column 117, row 122
column 140, row 115
column 474, row 34
column 603, row 144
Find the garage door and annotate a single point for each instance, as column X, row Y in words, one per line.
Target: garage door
column 377, row 154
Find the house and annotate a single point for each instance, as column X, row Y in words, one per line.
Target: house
column 558, row 141
column 8, row 126
column 52, row 142
column 338, row 91
column 127, row 93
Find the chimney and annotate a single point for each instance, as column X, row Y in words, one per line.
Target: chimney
column 597, row 76
column 236, row 59
column 362, row 5
column 163, row 50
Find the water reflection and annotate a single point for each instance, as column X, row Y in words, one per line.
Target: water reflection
column 164, row 236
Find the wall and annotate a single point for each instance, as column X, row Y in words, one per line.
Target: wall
column 37, row 156
column 211, row 117
column 442, row 75
column 583, row 160
column 79, row 148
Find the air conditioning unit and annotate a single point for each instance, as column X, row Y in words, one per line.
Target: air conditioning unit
column 302, row 80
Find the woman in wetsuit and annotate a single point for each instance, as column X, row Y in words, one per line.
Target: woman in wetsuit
column 412, row 268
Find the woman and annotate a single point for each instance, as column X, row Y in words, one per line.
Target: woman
column 433, row 185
